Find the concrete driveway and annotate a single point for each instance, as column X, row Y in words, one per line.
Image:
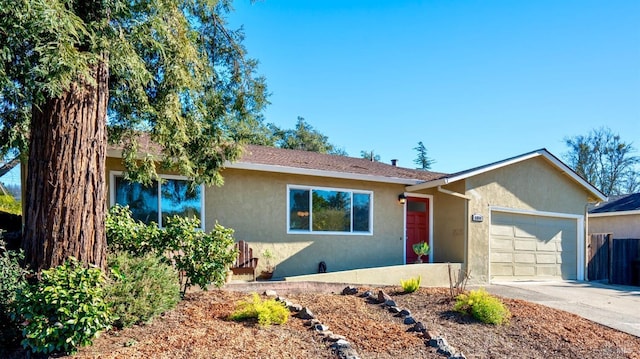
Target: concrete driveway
column 615, row 306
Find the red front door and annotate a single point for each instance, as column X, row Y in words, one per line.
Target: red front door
column 417, row 226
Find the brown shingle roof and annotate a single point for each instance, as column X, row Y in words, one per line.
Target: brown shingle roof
column 271, row 156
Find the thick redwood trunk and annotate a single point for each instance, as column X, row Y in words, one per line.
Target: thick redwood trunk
column 65, row 193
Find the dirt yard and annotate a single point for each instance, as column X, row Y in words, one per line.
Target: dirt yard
column 198, row 328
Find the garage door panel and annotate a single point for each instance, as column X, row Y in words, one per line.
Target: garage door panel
column 546, row 258
column 502, row 230
column 502, row 257
column 546, row 246
column 524, row 271
column 530, row 246
column 502, row 243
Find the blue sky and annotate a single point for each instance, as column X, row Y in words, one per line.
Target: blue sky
column 475, row 81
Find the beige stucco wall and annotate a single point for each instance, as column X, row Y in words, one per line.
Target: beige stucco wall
column 255, row 205
column 449, row 224
column 531, row 185
column 622, row 226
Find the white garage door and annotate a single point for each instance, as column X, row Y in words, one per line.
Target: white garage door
column 532, row 247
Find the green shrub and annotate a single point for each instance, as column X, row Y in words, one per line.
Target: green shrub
column 201, row 258
column 204, row 258
column 483, row 306
column 10, row 205
column 126, row 234
column 12, row 280
column 410, row 285
column 140, row 288
column 267, row 312
column 64, row 310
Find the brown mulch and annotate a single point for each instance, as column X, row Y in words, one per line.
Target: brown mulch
column 198, row 328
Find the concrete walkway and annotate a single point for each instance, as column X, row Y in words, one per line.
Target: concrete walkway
column 615, row 306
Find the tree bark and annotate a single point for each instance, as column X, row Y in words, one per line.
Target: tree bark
column 65, row 190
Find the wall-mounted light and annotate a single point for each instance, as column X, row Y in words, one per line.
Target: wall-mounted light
column 402, row 198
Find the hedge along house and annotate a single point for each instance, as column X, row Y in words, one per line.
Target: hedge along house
column 521, row 218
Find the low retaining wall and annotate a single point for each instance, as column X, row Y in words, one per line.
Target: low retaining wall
column 432, row 274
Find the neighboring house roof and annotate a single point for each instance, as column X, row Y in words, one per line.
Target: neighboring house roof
column 616, row 204
column 263, row 158
column 509, row 161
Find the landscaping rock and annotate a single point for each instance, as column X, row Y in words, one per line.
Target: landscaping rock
column 409, row 320
column 312, row 322
column 389, row 303
column 334, row 337
column 394, row 310
column 271, row 293
column 305, row 313
column 431, row 334
column 294, row 307
column 343, row 350
column 350, row 290
column 367, row 294
column 419, row 327
column 321, row 327
column 383, row 297
column 405, row 313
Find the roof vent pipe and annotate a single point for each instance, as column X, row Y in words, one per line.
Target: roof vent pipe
column 394, row 162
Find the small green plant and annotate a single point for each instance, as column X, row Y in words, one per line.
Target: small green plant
column 411, row 285
column 12, row 280
column 140, row 288
column 421, row 249
column 64, row 310
column 203, row 257
column 483, row 306
column 267, row 312
column 268, row 257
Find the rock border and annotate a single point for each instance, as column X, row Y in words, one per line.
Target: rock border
column 339, row 344
column 431, row 337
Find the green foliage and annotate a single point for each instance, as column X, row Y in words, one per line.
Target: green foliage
column 12, row 280
column 203, row 257
column 140, row 288
column 174, row 67
column 423, row 161
column 483, row 306
column 10, row 205
column 267, row 312
column 63, row 311
column 126, row 234
column 304, row 137
column 411, row 285
column 421, row 248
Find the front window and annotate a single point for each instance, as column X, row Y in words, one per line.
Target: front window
column 155, row 203
column 329, row 210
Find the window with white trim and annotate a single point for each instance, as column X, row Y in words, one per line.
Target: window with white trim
column 173, row 195
column 329, row 210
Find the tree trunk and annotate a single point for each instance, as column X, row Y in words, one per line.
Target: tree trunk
column 65, row 191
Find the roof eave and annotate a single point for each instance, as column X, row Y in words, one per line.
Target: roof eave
column 615, row 213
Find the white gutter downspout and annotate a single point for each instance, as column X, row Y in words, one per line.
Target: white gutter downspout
column 452, row 193
column 466, row 223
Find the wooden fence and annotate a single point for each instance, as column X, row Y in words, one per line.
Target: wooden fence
column 616, row 260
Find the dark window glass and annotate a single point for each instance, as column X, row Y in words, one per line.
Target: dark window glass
column 299, row 211
column 142, row 200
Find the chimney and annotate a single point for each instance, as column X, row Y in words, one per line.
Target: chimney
column 394, row 162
